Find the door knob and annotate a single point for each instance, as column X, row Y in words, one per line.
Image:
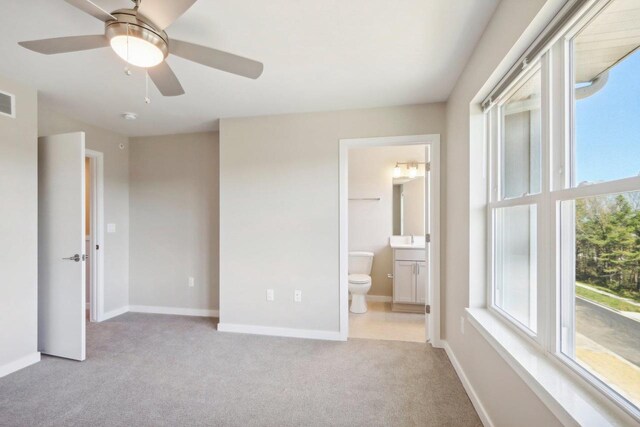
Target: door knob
column 75, row 258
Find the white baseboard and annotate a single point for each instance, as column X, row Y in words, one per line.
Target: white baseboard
column 174, row 310
column 113, row 313
column 280, row 332
column 376, row 298
column 18, row 364
column 475, row 400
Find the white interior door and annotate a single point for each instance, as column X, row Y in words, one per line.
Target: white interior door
column 61, row 266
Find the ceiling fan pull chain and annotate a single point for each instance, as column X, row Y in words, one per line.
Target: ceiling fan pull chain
column 147, row 99
column 127, row 70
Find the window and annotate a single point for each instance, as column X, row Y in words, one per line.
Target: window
column 516, row 120
column 516, row 266
column 564, row 198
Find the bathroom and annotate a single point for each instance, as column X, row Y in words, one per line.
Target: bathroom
column 388, row 219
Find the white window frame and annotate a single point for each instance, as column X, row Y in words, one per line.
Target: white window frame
column 557, row 186
column 497, row 200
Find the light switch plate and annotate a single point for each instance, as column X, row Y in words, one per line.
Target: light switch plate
column 270, row 295
column 111, row 228
column 192, row 282
column 297, row 295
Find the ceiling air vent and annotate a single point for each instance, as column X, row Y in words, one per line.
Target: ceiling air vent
column 7, row 105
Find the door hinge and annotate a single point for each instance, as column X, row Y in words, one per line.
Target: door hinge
column 427, row 166
column 427, row 309
column 427, row 238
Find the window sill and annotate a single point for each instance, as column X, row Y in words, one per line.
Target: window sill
column 572, row 402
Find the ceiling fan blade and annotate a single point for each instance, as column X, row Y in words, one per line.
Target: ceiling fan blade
column 217, row 59
column 66, row 44
column 87, row 6
column 162, row 12
column 165, row 80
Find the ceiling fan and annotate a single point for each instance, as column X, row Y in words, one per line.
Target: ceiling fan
column 137, row 35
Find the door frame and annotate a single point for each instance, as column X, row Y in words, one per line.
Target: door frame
column 96, row 257
column 433, row 141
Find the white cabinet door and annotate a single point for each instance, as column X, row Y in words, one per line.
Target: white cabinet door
column 422, row 275
column 404, row 282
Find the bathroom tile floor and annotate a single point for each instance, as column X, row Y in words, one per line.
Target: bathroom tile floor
column 380, row 323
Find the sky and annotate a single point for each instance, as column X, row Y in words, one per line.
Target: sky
column 608, row 126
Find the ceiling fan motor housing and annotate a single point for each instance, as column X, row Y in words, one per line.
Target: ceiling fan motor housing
column 132, row 24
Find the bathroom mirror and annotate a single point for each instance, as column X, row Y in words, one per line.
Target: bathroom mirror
column 408, row 206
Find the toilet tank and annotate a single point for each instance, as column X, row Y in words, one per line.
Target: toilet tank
column 360, row 262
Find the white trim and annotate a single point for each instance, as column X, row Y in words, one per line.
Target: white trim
column 433, row 140
column 563, row 394
column 471, row 392
column 96, row 257
column 113, row 313
column 376, row 298
column 281, row 332
column 179, row 311
column 21, row 363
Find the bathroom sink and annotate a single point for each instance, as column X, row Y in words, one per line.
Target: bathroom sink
column 406, row 242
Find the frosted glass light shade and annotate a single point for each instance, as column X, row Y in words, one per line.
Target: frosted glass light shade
column 137, row 51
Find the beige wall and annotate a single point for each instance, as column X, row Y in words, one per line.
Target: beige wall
column 174, row 202
column 18, row 227
column 506, row 398
column 116, row 199
column 279, row 210
column 371, row 222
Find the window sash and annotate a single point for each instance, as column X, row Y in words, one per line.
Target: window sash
column 557, row 185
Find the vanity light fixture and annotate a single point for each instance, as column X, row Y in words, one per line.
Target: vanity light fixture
column 412, row 169
column 397, row 172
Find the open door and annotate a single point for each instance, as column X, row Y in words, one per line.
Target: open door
column 61, row 266
column 424, row 274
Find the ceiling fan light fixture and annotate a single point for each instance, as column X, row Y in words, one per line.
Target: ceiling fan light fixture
column 136, row 51
column 135, row 40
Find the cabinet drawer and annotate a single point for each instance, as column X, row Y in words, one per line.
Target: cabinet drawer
column 410, row 255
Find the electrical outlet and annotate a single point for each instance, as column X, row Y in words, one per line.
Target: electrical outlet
column 297, row 295
column 270, row 295
column 462, row 325
column 192, row 282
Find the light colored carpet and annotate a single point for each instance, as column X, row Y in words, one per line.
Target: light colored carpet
column 157, row 370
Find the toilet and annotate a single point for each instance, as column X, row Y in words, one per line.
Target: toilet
column 359, row 279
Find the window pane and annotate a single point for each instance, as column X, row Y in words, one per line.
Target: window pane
column 607, row 79
column 521, row 128
column 601, row 288
column 515, row 263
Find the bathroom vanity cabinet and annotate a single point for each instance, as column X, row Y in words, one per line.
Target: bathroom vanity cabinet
column 409, row 280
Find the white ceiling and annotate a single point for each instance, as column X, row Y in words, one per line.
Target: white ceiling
column 319, row 55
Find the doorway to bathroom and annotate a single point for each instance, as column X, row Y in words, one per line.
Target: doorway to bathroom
column 94, row 235
column 389, row 238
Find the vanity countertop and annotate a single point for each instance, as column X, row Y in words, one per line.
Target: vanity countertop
column 404, row 242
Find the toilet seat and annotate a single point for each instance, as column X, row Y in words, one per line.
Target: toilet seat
column 359, row 279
